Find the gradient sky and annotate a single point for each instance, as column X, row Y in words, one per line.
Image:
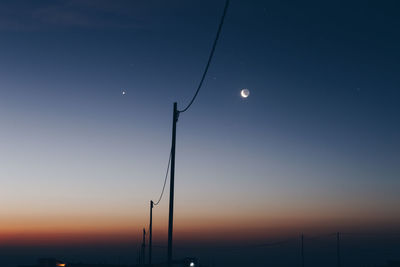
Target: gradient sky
column 315, row 148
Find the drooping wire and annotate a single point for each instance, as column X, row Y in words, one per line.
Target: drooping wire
column 210, row 57
column 370, row 234
column 264, row 245
column 318, row 237
column 165, row 181
column 272, row 244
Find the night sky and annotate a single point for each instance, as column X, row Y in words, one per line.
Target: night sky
column 314, row 149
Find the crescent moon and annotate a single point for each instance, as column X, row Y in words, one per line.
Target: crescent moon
column 245, row 93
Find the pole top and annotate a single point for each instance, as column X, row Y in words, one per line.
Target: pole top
column 176, row 112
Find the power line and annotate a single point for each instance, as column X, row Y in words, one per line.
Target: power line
column 165, row 181
column 272, row 244
column 210, row 57
column 262, row 245
column 267, row 244
column 318, row 237
column 374, row 235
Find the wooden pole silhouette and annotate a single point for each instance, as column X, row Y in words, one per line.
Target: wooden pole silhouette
column 151, row 231
column 338, row 248
column 171, row 187
column 302, row 250
column 144, row 247
column 138, row 255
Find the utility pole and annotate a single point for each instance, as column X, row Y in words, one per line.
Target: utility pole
column 338, row 248
column 302, row 250
column 150, row 230
column 138, row 256
column 144, row 247
column 171, row 187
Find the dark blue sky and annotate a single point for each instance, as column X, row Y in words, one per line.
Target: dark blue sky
column 314, row 148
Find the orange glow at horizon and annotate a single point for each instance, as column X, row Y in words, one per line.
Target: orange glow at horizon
column 47, row 230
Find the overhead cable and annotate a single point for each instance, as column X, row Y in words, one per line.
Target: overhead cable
column 209, row 58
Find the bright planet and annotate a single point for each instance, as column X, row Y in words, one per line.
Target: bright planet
column 245, row 93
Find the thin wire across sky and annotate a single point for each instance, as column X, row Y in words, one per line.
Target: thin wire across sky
column 209, row 58
column 165, row 181
column 198, row 88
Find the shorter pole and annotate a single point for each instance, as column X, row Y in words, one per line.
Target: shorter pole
column 302, row 250
column 151, row 230
column 338, row 248
column 144, row 247
column 138, row 255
